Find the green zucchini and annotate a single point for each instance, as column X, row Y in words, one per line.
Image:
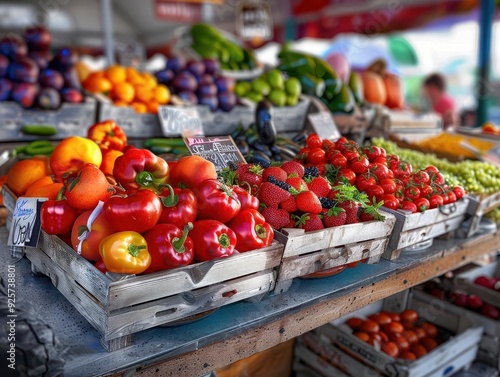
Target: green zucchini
column 39, row 129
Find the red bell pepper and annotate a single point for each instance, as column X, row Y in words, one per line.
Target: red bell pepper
column 216, row 201
column 140, row 168
column 212, row 239
column 179, row 206
column 169, row 247
column 251, row 230
column 247, row 200
column 108, row 135
column 57, row 216
column 138, row 211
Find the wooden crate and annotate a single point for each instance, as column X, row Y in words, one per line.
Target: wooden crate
column 412, row 229
column 479, row 206
column 311, row 358
column 456, row 353
column 465, row 281
column 309, row 252
column 489, row 347
column 121, row 305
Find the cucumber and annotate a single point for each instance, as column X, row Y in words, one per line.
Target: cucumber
column 38, row 129
column 39, row 147
column 159, row 149
column 204, row 51
column 160, row 142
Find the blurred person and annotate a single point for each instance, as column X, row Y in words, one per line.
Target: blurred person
column 442, row 103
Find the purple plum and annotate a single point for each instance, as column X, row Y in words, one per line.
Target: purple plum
column 37, row 38
column 207, row 90
column 188, row 97
column 176, row 64
column 23, row 70
column 185, row 81
column 41, row 59
column 25, row 94
column 51, row 79
column 65, row 58
column 49, row 99
column 71, row 95
column 165, row 76
column 196, row 68
column 212, row 66
column 71, row 79
column 13, row 47
column 206, row 79
column 5, row 89
column 211, row 101
column 227, row 100
column 225, row 84
column 4, row 64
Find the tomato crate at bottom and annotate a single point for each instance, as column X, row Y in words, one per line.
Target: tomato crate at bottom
column 358, row 357
column 415, row 228
column 121, row 305
column 309, row 254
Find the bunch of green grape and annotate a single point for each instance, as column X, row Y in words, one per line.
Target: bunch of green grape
column 476, row 177
column 494, row 215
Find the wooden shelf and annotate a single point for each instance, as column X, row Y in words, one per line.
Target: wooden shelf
column 244, row 328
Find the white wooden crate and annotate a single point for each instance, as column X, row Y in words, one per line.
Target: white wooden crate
column 456, row 353
column 489, row 347
column 465, row 281
column 309, row 252
column 314, row 361
column 120, row 305
column 411, row 229
column 478, row 207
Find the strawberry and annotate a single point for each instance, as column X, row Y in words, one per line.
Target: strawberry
column 309, row 222
column 371, row 212
column 276, row 172
column 351, row 210
column 297, row 183
column 272, row 195
column 335, row 216
column 251, row 175
column 293, row 167
column 277, row 218
column 319, row 185
column 308, row 201
column 289, row 205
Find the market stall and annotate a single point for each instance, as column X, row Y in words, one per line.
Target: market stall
column 177, row 215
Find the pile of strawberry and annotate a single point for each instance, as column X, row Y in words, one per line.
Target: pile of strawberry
column 292, row 195
column 384, row 178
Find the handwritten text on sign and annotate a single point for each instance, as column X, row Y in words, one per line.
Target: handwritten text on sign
column 220, row 150
column 25, row 228
column 180, row 122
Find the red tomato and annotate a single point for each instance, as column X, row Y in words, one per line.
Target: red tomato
column 436, row 201
column 428, row 343
column 431, row 169
column 420, row 333
column 380, row 160
column 379, row 170
column 390, row 201
column 430, row 330
column 438, row 179
column 354, row 323
column 362, row 335
column 394, row 316
column 360, row 165
column 459, row 192
column 349, row 174
column 383, row 336
column 393, row 327
column 409, row 316
column 372, row 152
column 410, row 336
column 418, row 350
column 339, row 144
column 400, row 340
column 452, row 198
column 390, row 348
column 421, row 177
column 314, row 141
column 363, row 182
column 374, row 191
column 426, row 191
column 336, row 159
column 328, row 145
column 369, row 326
column 422, row 204
column 408, row 206
column 407, row 355
column 316, row 156
column 388, row 185
column 380, row 318
column 350, row 154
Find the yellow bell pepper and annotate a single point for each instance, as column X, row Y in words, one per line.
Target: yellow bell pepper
column 125, row 253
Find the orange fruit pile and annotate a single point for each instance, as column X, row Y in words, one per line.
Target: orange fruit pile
column 126, row 86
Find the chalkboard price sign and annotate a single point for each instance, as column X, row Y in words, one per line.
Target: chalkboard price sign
column 184, row 122
column 220, row 150
column 25, row 228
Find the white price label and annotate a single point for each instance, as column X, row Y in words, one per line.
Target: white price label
column 25, row 228
column 323, row 124
column 184, row 122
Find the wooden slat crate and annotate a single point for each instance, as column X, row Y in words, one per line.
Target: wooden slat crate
column 412, row 229
column 121, row 305
column 489, row 347
column 458, row 352
column 479, row 206
column 465, row 281
column 309, row 252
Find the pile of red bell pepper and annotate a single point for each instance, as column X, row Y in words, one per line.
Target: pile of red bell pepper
column 134, row 221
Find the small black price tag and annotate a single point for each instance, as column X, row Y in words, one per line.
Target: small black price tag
column 25, row 229
column 220, row 150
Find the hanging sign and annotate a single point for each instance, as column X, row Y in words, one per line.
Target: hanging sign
column 254, row 21
column 220, row 150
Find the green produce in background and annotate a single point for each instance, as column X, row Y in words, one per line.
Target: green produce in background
column 242, row 88
column 293, row 87
column 261, row 86
column 208, row 42
column 356, row 86
column 275, row 79
column 277, row 97
column 343, row 102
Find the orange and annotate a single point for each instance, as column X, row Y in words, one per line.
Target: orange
column 153, row 107
column 49, row 191
column 161, row 94
column 123, row 91
column 143, row 93
column 96, row 82
column 115, row 74
column 120, row 103
column 149, row 80
column 139, row 107
column 108, row 161
column 82, row 70
column 44, row 181
column 134, row 76
column 46, row 161
column 23, row 174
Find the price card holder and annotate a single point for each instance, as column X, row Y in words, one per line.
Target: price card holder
column 323, row 124
column 220, row 150
column 25, row 228
column 177, row 121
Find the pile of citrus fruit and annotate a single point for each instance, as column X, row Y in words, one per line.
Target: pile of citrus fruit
column 126, row 86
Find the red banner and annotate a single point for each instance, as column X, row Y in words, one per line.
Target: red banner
column 169, row 10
